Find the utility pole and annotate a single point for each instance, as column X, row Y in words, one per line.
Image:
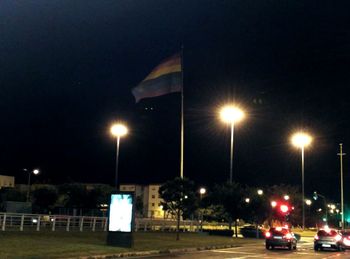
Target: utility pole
column 341, row 154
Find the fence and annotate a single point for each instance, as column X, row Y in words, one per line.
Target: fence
column 39, row 222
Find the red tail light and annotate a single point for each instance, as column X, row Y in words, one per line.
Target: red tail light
column 337, row 237
column 346, row 241
column 316, row 237
column 288, row 236
column 267, row 234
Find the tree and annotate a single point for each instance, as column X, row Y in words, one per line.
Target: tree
column 179, row 199
column 230, row 196
column 257, row 209
column 44, row 199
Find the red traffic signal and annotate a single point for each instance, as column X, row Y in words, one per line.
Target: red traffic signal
column 284, row 208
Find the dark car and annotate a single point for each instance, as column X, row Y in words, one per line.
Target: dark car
column 280, row 237
column 251, row 231
column 328, row 239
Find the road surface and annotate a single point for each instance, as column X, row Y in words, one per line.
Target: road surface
column 257, row 250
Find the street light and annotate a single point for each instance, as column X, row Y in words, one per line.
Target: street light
column 35, row 172
column 231, row 114
column 260, row 192
column 308, row 202
column 273, row 204
column 302, row 140
column 247, row 200
column 286, row 197
column 118, row 130
column 202, row 191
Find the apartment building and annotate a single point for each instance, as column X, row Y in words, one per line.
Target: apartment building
column 7, row 181
column 150, row 198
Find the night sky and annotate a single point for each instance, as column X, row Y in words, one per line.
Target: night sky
column 67, row 69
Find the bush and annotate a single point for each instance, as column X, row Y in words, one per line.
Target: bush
column 228, row 233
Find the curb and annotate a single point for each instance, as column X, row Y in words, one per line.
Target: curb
column 156, row 252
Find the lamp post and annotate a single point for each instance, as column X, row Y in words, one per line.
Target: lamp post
column 341, row 154
column 118, row 130
column 231, row 114
column 202, row 191
column 35, row 172
column 302, row 140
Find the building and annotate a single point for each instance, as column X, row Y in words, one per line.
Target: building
column 7, row 181
column 150, row 199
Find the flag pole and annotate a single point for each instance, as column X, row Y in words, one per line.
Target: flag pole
column 182, row 116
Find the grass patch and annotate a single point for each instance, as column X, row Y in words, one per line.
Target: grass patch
column 74, row 244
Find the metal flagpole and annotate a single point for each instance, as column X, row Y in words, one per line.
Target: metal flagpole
column 182, row 117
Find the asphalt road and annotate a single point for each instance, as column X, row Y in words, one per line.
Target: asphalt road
column 257, row 250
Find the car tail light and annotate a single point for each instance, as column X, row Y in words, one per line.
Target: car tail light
column 267, row 234
column 337, row 237
column 288, row 236
column 346, row 241
column 316, row 237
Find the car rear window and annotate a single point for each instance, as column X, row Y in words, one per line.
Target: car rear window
column 324, row 233
column 279, row 232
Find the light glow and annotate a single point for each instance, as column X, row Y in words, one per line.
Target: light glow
column 231, row 114
column 202, row 190
column 346, row 241
column 337, row 237
column 119, row 130
column 267, row 234
column 260, row 192
column 36, row 171
column 288, row 236
column 301, row 139
column 273, row 204
column 284, row 208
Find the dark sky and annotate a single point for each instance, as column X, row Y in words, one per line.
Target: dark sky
column 67, row 69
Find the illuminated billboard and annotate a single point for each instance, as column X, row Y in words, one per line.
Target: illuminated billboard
column 121, row 212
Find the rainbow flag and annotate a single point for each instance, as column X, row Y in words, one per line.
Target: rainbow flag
column 166, row 78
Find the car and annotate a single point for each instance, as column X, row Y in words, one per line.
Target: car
column 280, row 237
column 346, row 239
column 328, row 239
column 251, row 231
